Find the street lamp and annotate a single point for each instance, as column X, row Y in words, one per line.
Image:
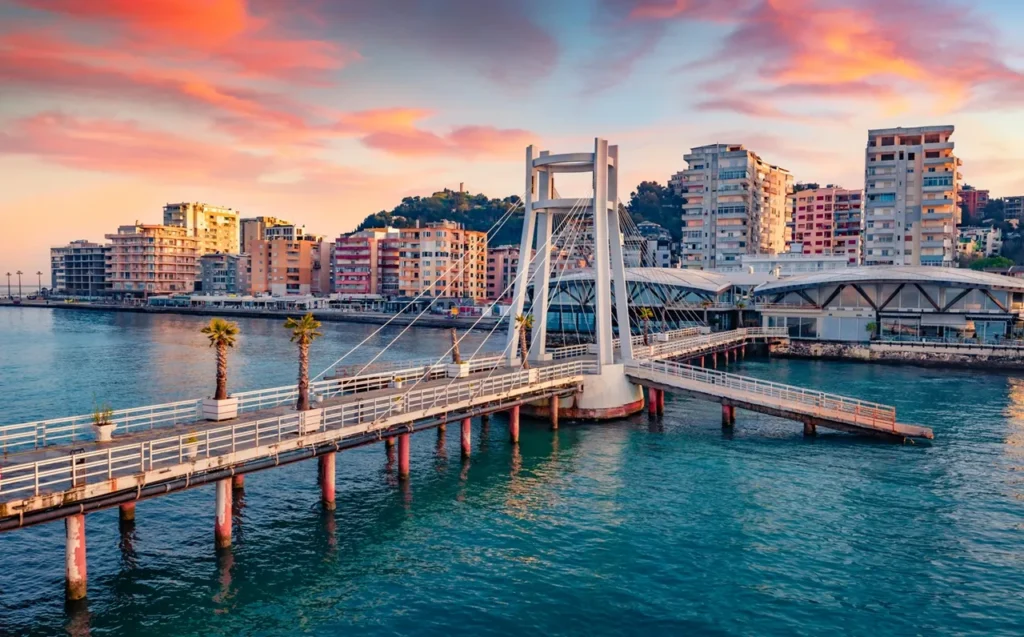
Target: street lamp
column 19, row 273
column 8, row 285
column 39, row 287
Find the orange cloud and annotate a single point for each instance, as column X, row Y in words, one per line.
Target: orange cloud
column 891, row 54
column 218, row 31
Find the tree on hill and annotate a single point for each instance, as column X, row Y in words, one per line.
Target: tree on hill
column 475, row 212
column 653, row 202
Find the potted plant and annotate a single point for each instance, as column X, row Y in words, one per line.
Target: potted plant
column 103, row 421
column 397, row 382
column 705, row 304
column 191, row 446
column 305, row 331
column 222, row 335
column 871, row 328
column 524, row 324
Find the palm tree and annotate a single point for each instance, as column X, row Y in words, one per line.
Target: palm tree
column 222, row 336
column 524, row 324
column 456, row 355
column 646, row 314
column 304, row 331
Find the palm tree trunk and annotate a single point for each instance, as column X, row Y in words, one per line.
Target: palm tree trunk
column 456, row 355
column 222, row 372
column 647, row 330
column 522, row 347
column 303, row 403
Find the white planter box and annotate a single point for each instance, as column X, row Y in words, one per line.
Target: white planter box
column 397, row 384
column 458, row 370
column 661, row 338
column 191, row 450
column 220, row 409
column 104, row 432
column 533, row 374
column 310, row 421
column 591, row 348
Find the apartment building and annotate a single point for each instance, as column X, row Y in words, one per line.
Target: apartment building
column 657, row 248
column 286, row 231
column 973, row 201
column 223, row 274
column 255, row 229
column 216, row 228
column 151, row 259
column 443, row 259
column 828, row 221
column 736, row 203
column 912, row 187
column 79, row 268
column 1013, row 207
column 359, row 261
column 980, row 242
column 502, row 265
column 282, row 268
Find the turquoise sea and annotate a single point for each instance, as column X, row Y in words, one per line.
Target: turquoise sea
column 638, row 527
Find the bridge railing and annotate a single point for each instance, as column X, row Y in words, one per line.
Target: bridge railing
column 76, row 469
column 821, row 402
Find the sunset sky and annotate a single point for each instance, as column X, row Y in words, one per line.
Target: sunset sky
column 323, row 111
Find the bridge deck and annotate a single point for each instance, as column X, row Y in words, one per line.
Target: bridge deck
column 57, row 475
column 785, row 401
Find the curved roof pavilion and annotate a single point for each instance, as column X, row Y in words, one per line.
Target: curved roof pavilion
column 709, row 283
column 946, row 277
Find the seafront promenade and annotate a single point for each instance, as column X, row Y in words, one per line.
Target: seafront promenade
column 334, row 316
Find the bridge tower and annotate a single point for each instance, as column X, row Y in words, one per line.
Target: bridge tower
column 607, row 394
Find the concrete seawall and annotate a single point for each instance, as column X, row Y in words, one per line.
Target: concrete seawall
column 921, row 354
column 371, row 318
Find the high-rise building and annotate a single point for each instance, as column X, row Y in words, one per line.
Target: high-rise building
column 255, row 229
column 828, row 221
column 912, row 186
column 79, row 269
column 443, row 259
column 357, row 261
column 281, row 268
column 151, row 259
column 657, row 245
column 736, row 204
column 973, row 201
column 1013, row 207
column 224, row 273
column 215, row 227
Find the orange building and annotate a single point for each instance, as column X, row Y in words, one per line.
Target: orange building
column 151, row 259
column 283, row 268
column 431, row 261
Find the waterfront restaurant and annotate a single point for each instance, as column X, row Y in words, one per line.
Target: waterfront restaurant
column 901, row 303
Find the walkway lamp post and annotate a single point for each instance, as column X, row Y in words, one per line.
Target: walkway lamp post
column 39, row 286
column 19, row 273
column 8, row 285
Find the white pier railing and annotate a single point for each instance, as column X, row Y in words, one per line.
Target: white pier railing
column 358, row 416
column 816, row 402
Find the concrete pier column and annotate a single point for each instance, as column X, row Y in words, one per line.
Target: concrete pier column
column 661, row 402
column 126, row 513
column 441, row 428
column 652, row 401
column 728, row 415
column 222, row 523
column 714, row 360
column 743, row 351
column 74, row 558
column 467, row 439
column 485, row 420
column 554, row 412
column 327, row 481
column 513, row 424
column 702, row 361
column 238, row 482
column 403, row 456
column 810, row 429
column 389, row 442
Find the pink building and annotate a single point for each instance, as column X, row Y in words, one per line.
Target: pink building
column 502, row 263
column 358, row 267
column 828, row 221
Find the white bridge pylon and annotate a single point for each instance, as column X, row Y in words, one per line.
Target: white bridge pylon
column 540, row 207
